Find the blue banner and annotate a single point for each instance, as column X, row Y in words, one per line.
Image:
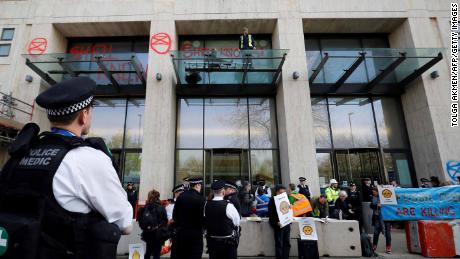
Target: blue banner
column 424, row 204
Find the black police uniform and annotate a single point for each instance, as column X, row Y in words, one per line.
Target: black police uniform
column 354, row 199
column 187, row 242
column 38, row 226
column 222, row 235
column 305, row 190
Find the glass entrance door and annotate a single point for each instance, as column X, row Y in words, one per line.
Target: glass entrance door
column 226, row 164
column 353, row 165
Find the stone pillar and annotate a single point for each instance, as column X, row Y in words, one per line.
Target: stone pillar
column 296, row 136
column 426, row 102
column 157, row 168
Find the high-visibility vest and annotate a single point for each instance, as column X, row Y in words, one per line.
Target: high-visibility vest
column 331, row 195
column 250, row 43
column 301, row 205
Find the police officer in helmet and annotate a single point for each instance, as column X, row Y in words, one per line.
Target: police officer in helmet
column 63, row 187
column 187, row 241
column 222, row 222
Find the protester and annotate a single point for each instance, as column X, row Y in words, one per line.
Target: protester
column 262, row 185
column 246, row 40
column 299, row 203
column 332, row 194
column 342, row 207
column 355, row 202
column 246, row 199
column 153, row 220
column 394, row 183
column 320, row 207
column 303, row 188
column 281, row 234
column 132, row 195
column 380, row 226
column 262, row 203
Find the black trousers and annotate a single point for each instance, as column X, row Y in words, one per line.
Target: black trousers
column 282, row 242
column 153, row 249
column 187, row 244
column 219, row 250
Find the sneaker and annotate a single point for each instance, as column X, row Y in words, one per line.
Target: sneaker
column 388, row 250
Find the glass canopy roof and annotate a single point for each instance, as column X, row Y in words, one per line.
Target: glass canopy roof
column 367, row 71
column 228, row 67
column 116, row 70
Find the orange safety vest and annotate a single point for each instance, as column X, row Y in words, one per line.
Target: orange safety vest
column 301, row 205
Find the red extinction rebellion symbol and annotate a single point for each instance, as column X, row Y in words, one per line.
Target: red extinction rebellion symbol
column 160, row 43
column 37, row 46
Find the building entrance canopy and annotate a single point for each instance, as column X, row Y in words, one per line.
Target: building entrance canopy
column 114, row 73
column 199, row 69
column 367, row 71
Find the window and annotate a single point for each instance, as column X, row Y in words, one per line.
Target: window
column 227, row 138
column 7, row 34
column 5, row 50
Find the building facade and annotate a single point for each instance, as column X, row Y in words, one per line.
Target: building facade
column 334, row 89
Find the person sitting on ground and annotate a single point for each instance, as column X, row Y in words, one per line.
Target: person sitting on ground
column 262, row 203
column 380, row 226
column 342, row 207
column 320, row 207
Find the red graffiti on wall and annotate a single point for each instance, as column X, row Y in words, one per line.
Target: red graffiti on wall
column 37, row 46
column 161, row 43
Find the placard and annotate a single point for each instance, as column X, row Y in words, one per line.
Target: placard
column 307, row 229
column 387, row 195
column 136, row 251
column 440, row 203
column 283, row 208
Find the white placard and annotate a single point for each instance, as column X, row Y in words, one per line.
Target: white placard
column 283, row 208
column 307, row 229
column 387, row 195
column 136, row 251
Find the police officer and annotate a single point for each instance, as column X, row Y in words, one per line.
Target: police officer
column 67, row 182
column 231, row 194
column 222, row 222
column 188, row 218
column 177, row 191
column 303, row 188
column 355, row 200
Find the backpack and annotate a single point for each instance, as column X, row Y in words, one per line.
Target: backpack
column 149, row 219
column 366, row 246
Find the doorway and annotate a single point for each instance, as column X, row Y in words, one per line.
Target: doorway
column 353, row 165
column 226, row 164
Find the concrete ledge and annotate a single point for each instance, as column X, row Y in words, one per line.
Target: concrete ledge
column 336, row 238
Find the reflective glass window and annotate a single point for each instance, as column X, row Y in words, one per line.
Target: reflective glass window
column 7, row 34
column 226, row 123
column 262, row 120
column 264, row 165
column 321, row 122
column 352, row 123
column 108, row 120
column 390, row 123
column 132, row 168
column 189, row 163
column 397, row 166
column 134, row 123
column 5, row 50
column 324, row 168
column 190, row 123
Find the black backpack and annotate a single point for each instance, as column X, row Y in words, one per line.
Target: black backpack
column 149, row 219
column 366, row 246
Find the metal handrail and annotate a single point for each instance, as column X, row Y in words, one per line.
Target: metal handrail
column 9, row 104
